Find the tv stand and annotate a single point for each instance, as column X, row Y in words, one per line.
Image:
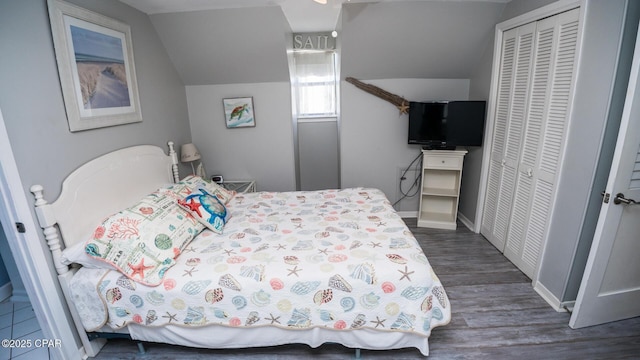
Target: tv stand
column 440, row 188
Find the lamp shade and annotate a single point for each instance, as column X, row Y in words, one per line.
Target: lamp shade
column 189, row 152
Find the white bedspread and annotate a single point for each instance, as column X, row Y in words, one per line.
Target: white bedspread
column 337, row 260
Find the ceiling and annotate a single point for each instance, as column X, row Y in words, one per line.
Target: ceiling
column 302, row 15
column 215, row 42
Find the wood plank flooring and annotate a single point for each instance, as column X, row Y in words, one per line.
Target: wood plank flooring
column 496, row 314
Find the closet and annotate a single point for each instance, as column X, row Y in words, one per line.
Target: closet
column 532, row 106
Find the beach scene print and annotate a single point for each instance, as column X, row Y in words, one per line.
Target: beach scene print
column 238, row 112
column 101, row 69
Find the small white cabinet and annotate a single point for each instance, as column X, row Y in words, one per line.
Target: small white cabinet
column 440, row 188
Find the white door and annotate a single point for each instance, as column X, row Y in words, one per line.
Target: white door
column 30, row 257
column 610, row 288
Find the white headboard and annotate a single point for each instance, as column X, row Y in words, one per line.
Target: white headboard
column 100, row 188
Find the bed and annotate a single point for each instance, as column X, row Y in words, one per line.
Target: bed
column 235, row 270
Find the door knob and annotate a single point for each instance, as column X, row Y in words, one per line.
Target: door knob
column 620, row 199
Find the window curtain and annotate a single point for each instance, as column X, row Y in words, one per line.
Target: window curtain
column 315, row 83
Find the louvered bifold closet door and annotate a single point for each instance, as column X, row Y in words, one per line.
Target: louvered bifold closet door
column 508, row 127
column 505, row 84
column 543, row 140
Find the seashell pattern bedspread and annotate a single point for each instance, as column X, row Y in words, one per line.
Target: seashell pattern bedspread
column 340, row 259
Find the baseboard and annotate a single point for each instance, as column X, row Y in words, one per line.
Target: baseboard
column 466, row 222
column 414, row 214
column 19, row 296
column 549, row 297
column 569, row 305
column 5, row 291
column 408, row 214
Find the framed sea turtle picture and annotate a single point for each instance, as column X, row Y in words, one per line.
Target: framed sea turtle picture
column 238, row 112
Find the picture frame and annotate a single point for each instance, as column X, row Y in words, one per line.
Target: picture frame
column 238, row 112
column 94, row 55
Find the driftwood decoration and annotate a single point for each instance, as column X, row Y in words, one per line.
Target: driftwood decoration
column 401, row 103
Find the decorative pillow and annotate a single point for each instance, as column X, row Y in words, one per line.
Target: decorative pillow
column 196, row 182
column 143, row 240
column 207, row 209
column 76, row 255
column 178, row 190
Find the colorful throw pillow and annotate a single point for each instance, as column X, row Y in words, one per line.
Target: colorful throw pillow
column 196, row 182
column 144, row 240
column 207, row 209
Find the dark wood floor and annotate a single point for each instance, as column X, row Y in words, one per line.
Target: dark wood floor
column 496, row 314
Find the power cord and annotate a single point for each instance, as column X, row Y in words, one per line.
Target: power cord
column 416, row 181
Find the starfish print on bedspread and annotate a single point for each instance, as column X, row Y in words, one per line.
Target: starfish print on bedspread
column 139, row 269
column 189, row 272
column 294, row 271
column 378, row 322
column 273, row 319
column 405, row 273
column 170, row 317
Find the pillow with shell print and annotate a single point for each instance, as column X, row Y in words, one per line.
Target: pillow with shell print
column 143, row 240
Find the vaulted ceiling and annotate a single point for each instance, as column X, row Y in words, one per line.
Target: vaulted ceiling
column 246, row 41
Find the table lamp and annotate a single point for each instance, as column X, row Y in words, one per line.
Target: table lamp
column 189, row 153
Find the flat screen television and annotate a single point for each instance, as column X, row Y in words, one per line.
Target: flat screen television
column 446, row 124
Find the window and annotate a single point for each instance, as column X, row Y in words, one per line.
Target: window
column 315, row 83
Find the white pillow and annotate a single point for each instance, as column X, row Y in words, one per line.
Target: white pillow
column 77, row 255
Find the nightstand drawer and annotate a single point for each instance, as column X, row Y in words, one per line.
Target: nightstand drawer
column 442, row 162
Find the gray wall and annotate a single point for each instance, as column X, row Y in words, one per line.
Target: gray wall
column 319, row 156
column 418, row 50
column 415, row 41
column 4, row 275
column 33, row 109
column 373, row 138
column 236, row 53
column 19, row 293
column 5, row 252
column 32, row 104
column 591, row 110
column 229, row 46
column 263, row 153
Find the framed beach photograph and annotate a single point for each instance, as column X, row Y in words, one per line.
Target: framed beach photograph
column 238, row 112
column 95, row 64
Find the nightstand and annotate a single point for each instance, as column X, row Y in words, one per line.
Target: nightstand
column 441, row 174
column 240, row 186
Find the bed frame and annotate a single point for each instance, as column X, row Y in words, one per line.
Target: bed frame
column 100, row 188
column 94, row 191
